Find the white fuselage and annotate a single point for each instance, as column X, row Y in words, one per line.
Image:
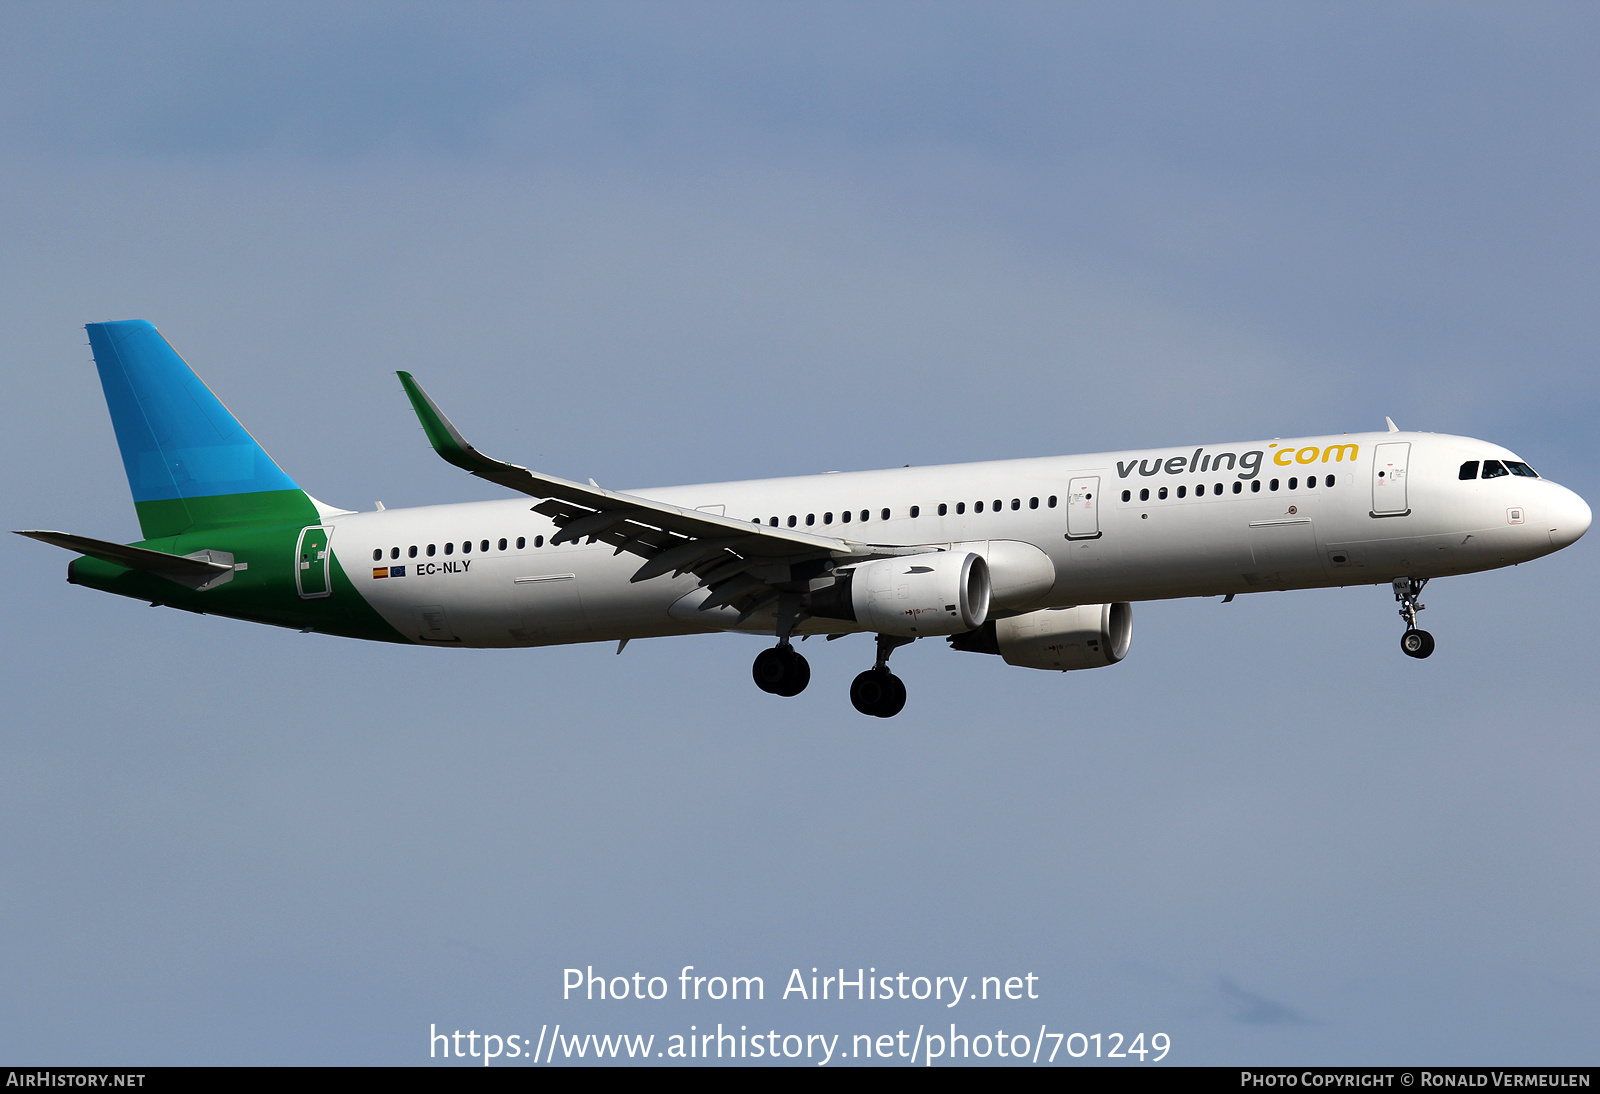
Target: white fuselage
column 1105, row 539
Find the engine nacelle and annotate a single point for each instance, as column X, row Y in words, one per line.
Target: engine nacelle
column 1087, row 636
column 946, row 592
column 1019, row 573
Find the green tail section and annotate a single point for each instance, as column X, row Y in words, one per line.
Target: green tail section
column 190, row 463
column 175, row 516
column 264, row 591
column 201, row 483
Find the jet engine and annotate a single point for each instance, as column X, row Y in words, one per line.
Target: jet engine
column 1086, row 636
column 917, row 595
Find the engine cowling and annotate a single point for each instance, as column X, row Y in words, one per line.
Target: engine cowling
column 1020, row 574
column 1086, row 636
column 946, row 592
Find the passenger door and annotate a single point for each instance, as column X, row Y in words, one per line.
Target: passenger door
column 311, row 563
column 1389, row 479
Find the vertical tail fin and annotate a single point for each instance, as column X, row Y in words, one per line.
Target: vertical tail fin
column 190, row 463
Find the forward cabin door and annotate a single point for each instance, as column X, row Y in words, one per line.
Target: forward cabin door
column 1083, row 508
column 1389, row 479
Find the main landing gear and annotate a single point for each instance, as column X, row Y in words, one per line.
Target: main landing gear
column 1413, row 643
column 781, row 670
column 879, row 692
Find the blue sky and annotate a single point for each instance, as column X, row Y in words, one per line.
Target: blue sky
column 669, row 244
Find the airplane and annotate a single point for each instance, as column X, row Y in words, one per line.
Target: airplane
column 1037, row 561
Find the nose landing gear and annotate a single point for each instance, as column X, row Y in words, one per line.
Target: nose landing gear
column 879, row 692
column 1414, row 643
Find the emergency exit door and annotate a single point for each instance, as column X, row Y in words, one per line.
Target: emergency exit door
column 1083, row 508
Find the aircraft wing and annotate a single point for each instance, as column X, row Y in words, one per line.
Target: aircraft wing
column 740, row 561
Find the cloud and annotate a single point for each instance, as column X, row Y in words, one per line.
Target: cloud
column 1258, row 1010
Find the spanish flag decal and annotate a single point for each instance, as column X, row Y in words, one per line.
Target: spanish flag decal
column 380, row 571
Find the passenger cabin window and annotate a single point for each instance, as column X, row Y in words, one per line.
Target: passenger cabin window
column 1033, row 503
column 430, row 550
column 1162, row 493
column 377, row 555
column 1273, row 485
column 827, row 518
column 811, row 519
column 886, row 514
column 538, row 541
column 449, row 548
column 845, row 516
column 1238, row 488
column 1493, row 469
column 1144, row 495
column 522, row 541
column 1329, row 481
column 943, row 509
column 998, row 505
column 1016, row 503
column 466, row 548
column 915, row 510
column 484, row 546
column 961, row 507
column 1052, row 502
column 1311, row 482
column 792, row 521
column 1293, row 483
column 411, row 552
column 1127, row 495
column 1182, row 490
column 1469, row 470
column 866, row 514
column 502, row 545
column 394, row 552
column 977, row 507
column 1255, row 487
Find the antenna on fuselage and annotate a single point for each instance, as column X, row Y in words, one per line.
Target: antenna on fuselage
column 1390, row 423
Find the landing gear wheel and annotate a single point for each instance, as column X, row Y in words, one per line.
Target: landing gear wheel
column 1415, row 643
column 879, row 693
column 781, row 671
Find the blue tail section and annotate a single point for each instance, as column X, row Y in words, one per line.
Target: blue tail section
column 177, row 440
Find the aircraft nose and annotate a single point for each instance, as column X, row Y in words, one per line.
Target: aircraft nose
column 1569, row 519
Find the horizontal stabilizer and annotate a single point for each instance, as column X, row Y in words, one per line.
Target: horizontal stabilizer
column 195, row 572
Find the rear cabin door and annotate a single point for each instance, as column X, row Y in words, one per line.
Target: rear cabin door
column 311, row 563
column 1389, row 479
column 1083, row 508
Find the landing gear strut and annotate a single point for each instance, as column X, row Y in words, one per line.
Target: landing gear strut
column 781, row 670
column 1413, row 643
column 879, row 692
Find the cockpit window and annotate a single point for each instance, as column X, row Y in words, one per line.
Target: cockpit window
column 1493, row 469
column 1518, row 468
column 1469, row 470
